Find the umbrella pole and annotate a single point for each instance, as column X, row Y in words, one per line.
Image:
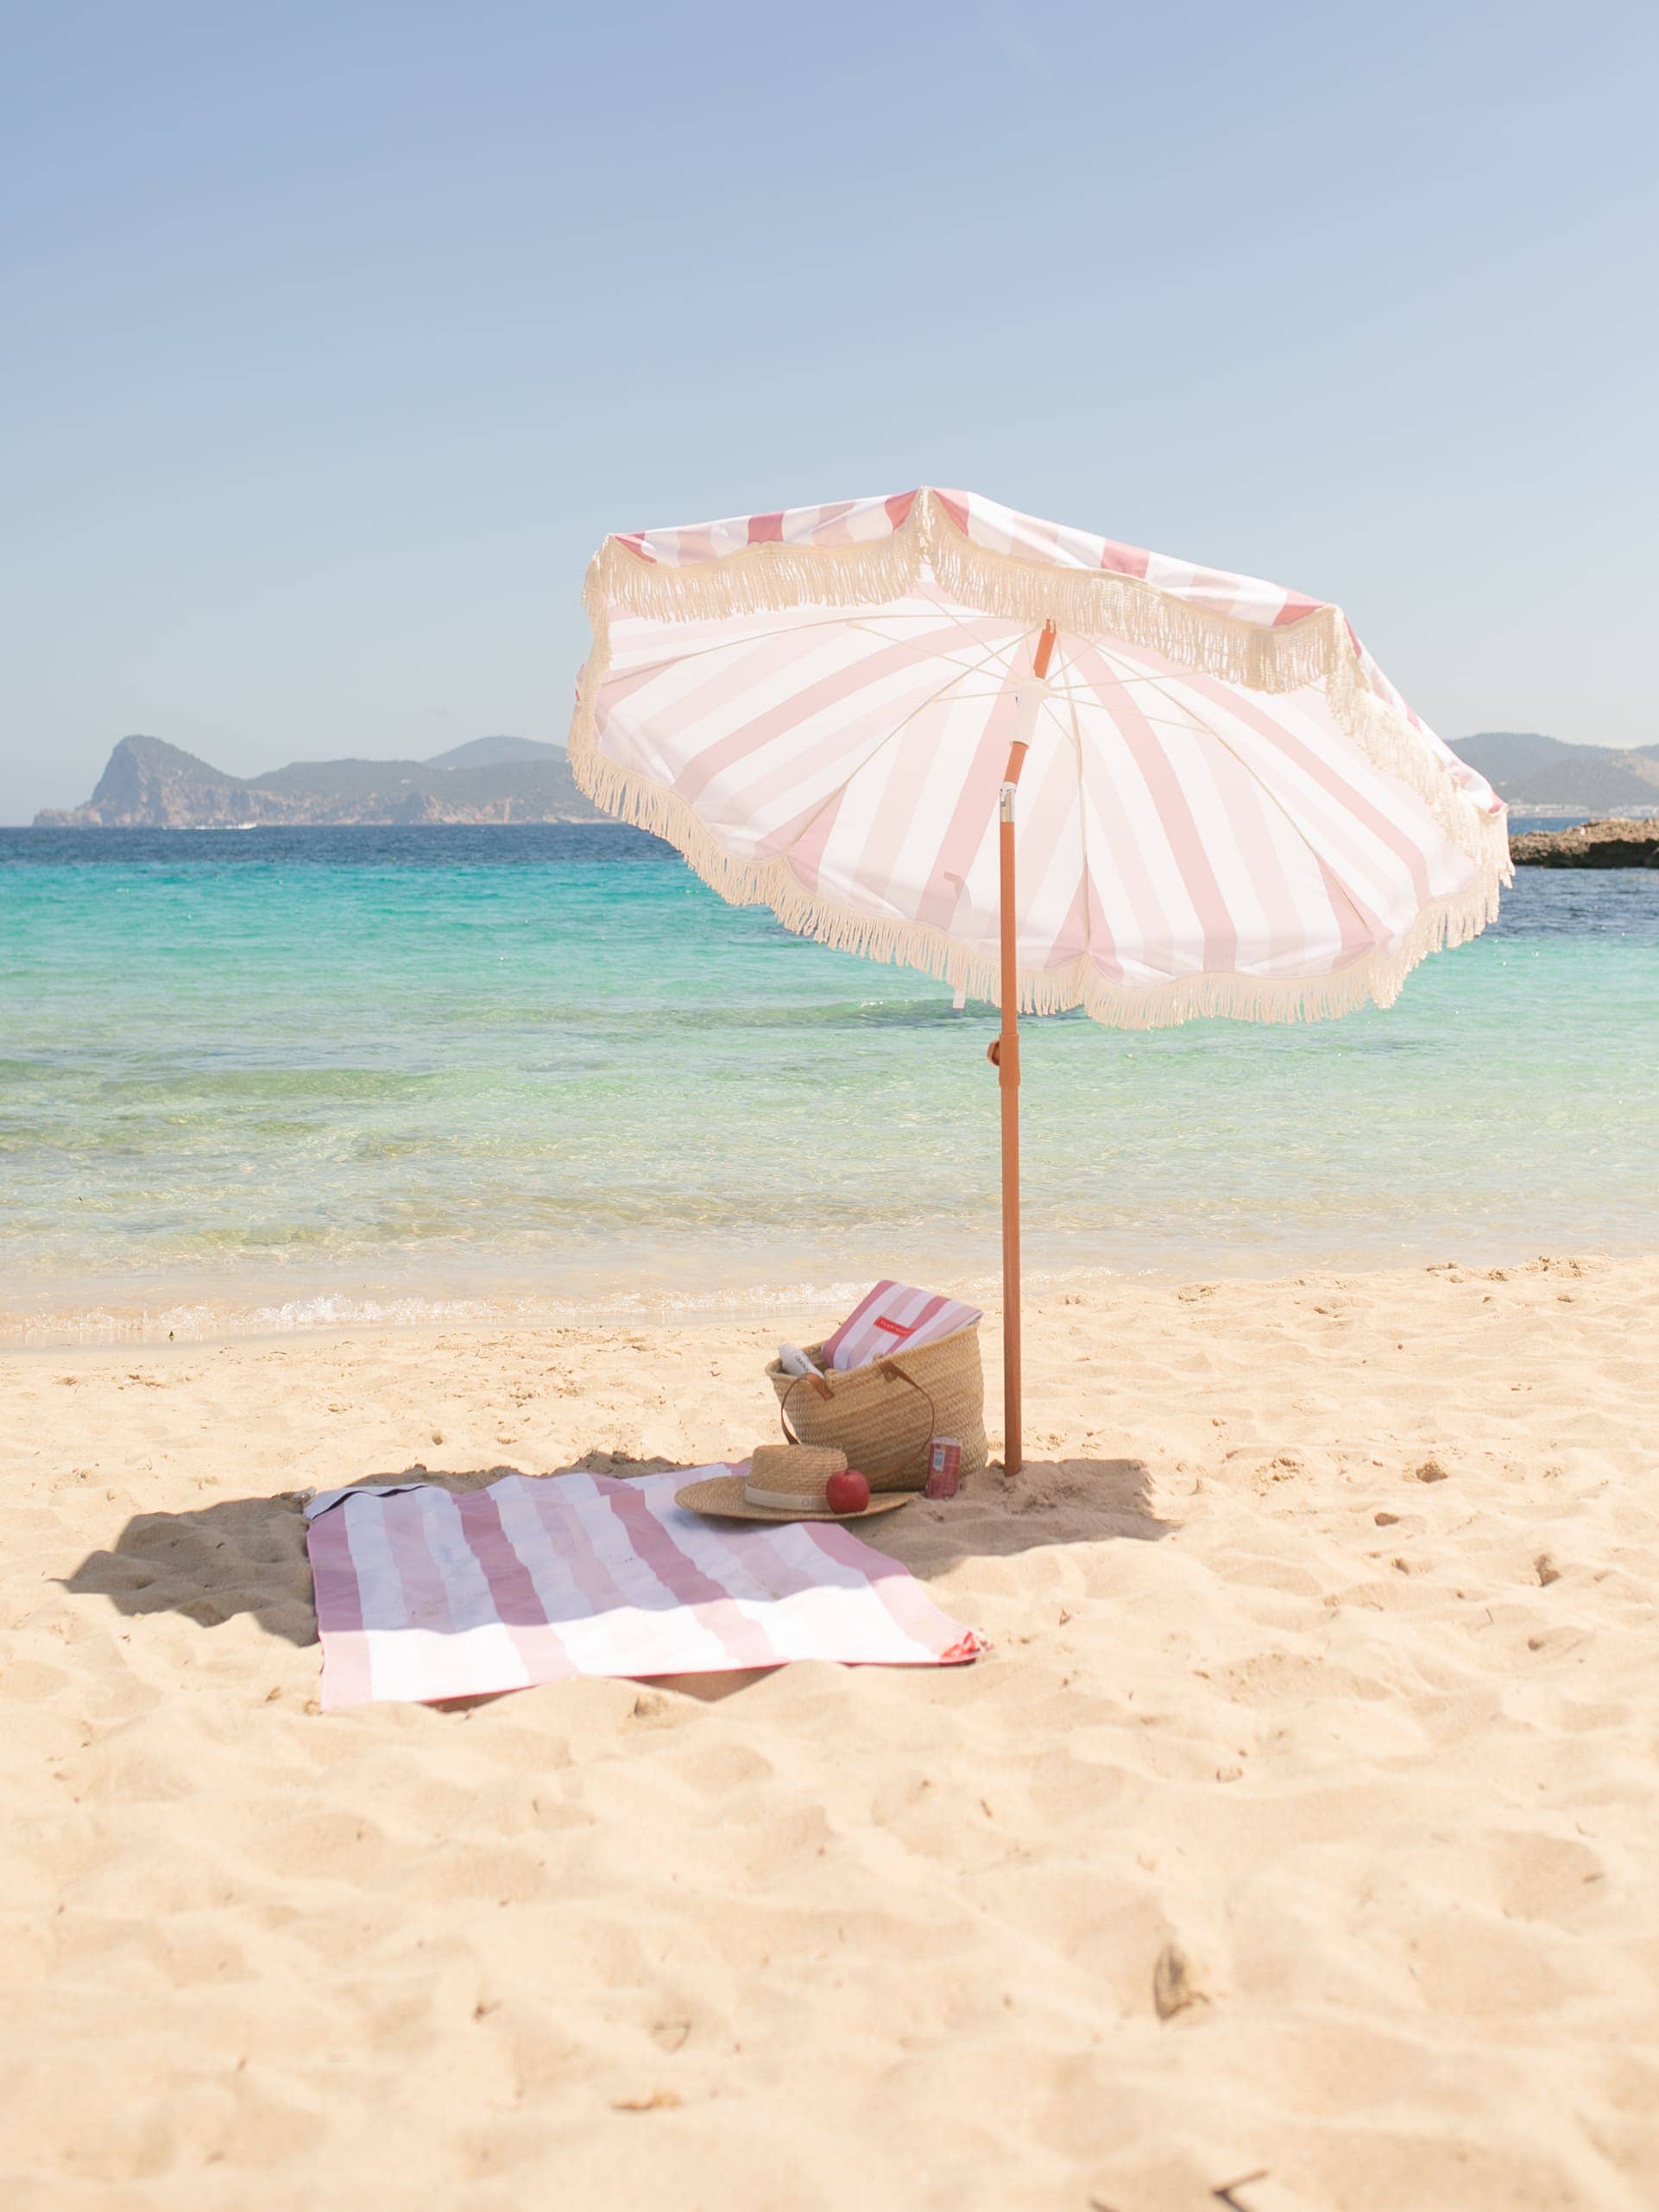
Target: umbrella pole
column 1006, row 1053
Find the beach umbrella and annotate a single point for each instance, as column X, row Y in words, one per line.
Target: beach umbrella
column 1053, row 770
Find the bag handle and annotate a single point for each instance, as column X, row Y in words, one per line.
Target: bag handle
column 819, row 1384
column 890, row 1371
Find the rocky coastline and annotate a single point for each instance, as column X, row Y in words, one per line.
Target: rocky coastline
column 1614, row 841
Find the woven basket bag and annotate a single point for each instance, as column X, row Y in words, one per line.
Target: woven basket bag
column 885, row 1415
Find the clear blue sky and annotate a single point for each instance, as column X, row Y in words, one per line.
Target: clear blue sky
column 340, row 334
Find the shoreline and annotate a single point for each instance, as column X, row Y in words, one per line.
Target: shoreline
column 57, row 1323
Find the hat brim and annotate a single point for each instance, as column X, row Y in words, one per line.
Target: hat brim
column 724, row 1495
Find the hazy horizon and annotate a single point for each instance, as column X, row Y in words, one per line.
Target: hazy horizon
column 348, row 336
column 559, row 746
column 483, row 736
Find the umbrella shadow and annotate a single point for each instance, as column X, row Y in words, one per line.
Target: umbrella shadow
column 247, row 1555
column 237, row 1555
column 1049, row 1502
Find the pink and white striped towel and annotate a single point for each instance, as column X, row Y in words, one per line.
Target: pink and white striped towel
column 424, row 1595
column 895, row 1317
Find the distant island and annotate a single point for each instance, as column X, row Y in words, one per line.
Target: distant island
column 1535, row 775
column 149, row 784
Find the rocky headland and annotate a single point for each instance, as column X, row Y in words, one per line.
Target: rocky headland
column 1615, row 842
column 149, row 784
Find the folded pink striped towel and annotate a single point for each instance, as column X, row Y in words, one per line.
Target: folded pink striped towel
column 424, row 1594
column 895, row 1317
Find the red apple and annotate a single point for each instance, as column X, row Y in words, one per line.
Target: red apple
column 847, row 1492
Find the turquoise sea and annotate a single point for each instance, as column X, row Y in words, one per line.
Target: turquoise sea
column 268, row 1078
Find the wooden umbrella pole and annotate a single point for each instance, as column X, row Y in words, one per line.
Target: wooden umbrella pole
column 1006, row 1054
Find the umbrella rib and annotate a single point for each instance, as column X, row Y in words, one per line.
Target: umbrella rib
column 1082, row 810
column 898, row 729
column 797, row 629
column 747, row 637
column 1194, row 719
column 950, row 613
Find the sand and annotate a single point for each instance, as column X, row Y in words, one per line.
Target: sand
column 1302, row 1823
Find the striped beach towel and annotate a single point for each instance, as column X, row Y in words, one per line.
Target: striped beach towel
column 424, row 1595
column 895, row 1317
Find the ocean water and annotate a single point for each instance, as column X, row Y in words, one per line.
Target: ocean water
column 258, row 1080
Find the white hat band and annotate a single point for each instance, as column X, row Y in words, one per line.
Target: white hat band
column 786, row 1500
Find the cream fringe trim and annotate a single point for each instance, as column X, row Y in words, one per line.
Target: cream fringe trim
column 1318, row 649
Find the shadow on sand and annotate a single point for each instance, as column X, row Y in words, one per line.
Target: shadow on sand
column 1050, row 1502
column 248, row 1554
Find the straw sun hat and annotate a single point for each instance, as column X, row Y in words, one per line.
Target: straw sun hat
column 784, row 1482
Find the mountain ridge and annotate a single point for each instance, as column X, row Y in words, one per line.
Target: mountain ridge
column 150, row 784
column 1530, row 771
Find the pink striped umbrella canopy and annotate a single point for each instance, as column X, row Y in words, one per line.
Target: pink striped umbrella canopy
column 1225, row 806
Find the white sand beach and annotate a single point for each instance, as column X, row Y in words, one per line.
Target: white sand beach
column 1299, row 1825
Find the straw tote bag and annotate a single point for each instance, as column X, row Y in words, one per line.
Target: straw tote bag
column 884, row 1416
